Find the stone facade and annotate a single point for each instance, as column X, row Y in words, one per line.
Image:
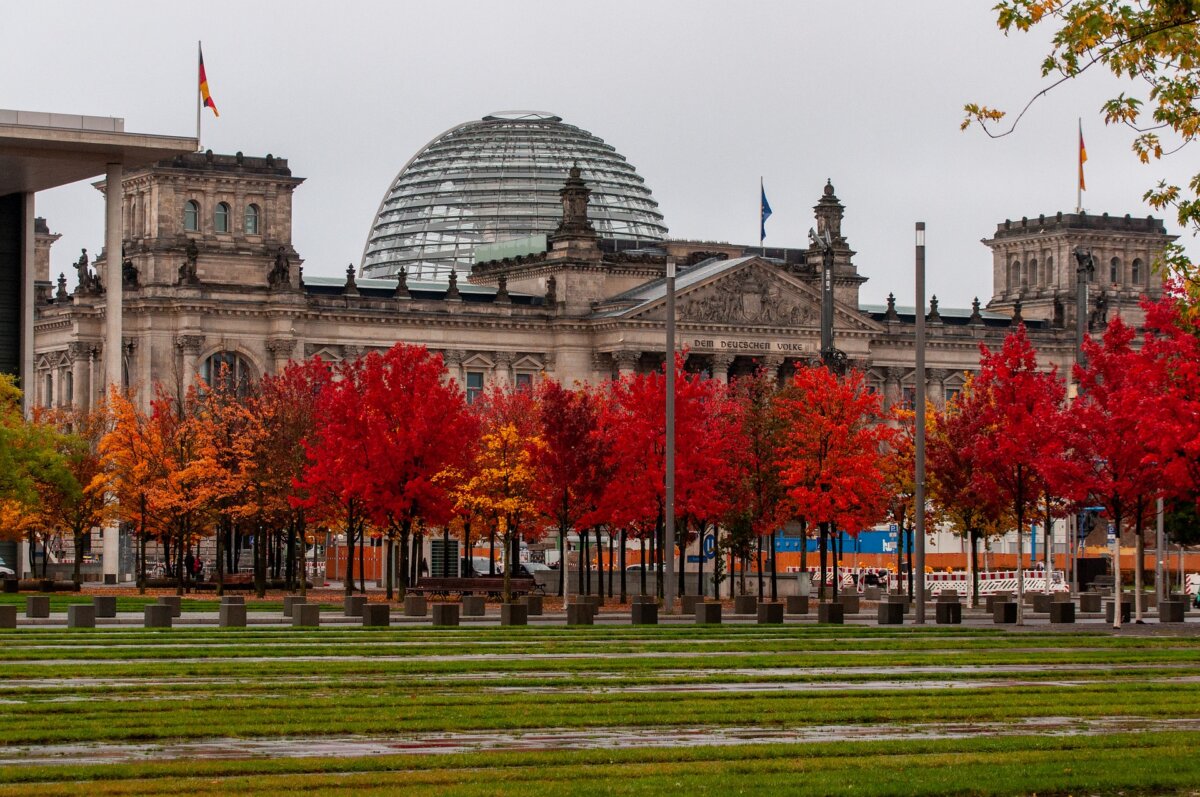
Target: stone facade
column 201, row 290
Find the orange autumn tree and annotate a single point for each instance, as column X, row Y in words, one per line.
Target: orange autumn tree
column 503, row 486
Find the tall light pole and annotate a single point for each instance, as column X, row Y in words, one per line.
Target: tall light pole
column 669, row 498
column 919, row 477
column 833, row 359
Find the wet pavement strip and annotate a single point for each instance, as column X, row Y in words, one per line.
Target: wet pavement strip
column 547, row 739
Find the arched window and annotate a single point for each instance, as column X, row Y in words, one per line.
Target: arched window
column 191, row 215
column 229, row 370
column 1114, row 270
column 1135, row 272
column 221, row 218
column 67, row 394
column 1033, row 272
column 1014, row 275
column 1048, row 270
column 48, row 391
column 1024, row 275
column 251, row 219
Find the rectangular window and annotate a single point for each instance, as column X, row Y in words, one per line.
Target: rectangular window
column 474, row 385
column 524, row 381
column 952, row 393
column 910, row 397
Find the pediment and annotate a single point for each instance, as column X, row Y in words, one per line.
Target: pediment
column 752, row 293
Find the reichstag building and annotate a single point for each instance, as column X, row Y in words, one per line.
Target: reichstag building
column 518, row 245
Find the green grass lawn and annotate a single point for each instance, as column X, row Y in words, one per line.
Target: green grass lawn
column 135, row 686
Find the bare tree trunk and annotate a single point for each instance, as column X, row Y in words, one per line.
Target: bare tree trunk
column 774, row 569
column 388, row 575
column 349, row 570
column 624, row 594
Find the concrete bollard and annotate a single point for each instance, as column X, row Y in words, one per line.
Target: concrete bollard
column 157, row 615
column 474, row 606
column 8, row 616
column 232, row 615
column 352, row 605
column 415, row 606
column 795, row 604
column 1090, row 602
column 290, row 602
column 1004, row 612
column 533, row 603
column 850, row 603
column 687, row 603
column 1126, row 610
column 708, row 613
column 81, row 615
column 770, row 613
column 376, row 615
column 239, row 600
column 11, row 586
column 745, row 604
column 1042, row 601
column 831, row 613
column 445, row 614
column 37, row 606
column 513, row 614
column 306, row 615
column 105, row 605
column 1170, row 611
column 174, row 602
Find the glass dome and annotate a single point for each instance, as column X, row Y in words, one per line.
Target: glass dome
column 496, row 179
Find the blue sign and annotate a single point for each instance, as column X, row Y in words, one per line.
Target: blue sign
column 710, row 546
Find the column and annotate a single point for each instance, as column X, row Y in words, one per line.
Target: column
column 937, row 385
column 771, row 364
column 891, row 386
column 189, row 347
column 721, row 362
column 112, row 279
column 453, row 358
column 626, row 360
column 80, row 353
column 281, row 353
column 503, row 369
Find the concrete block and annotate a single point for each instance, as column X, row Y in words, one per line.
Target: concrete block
column 708, row 613
column 770, row 613
column 474, row 606
column 232, row 615
column 581, row 613
column 1126, row 610
column 157, row 615
column 352, row 605
column 81, row 615
column 8, row 616
column 376, row 615
column 37, row 606
column 850, row 603
column 989, row 601
column 290, row 602
column 1170, row 612
column 890, row 613
column 1042, row 601
column 1004, row 612
column 306, row 615
column 1062, row 612
column 515, row 614
column 831, row 613
column 745, row 604
column 687, row 603
column 445, row 614
column 948, row 612
column 233, row 600
column 174, row 602
column 644, row 613
column 1090, row 602
column 533, row 603
column 795, row 604
column 105, row 605
column 948, row 595
column 415, row 606
column 870, row 593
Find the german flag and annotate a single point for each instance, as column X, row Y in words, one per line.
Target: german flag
column 1082, row 159
column 205, row 97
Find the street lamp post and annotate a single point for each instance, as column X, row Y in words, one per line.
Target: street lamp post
column 919, row 480
column 669, row 497
column 832, row 358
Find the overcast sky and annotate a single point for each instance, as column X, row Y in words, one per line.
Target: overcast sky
column 702, row 97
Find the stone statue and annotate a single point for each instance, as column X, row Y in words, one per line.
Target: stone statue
column 81, row 268
column 280, row 275
column 401, row 291
column 1099, row 318
column 129, row 272
column 1060, row 313
column 551, row 290
column 452, row 291
column 187, row 271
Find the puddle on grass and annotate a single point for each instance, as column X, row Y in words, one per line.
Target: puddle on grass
column 573, row 739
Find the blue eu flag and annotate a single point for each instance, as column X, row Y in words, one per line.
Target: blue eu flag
column 765, row 209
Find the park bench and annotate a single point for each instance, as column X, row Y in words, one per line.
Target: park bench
column 492, row 586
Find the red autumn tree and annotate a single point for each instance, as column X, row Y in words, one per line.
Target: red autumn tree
column 570, row 464
column 831, row 456
column 1124, row 412
column 1021, row 441
column 419, row 430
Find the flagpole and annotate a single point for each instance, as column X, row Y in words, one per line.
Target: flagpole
column 761, row 191
column 1079, row 168
column 199, row 60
